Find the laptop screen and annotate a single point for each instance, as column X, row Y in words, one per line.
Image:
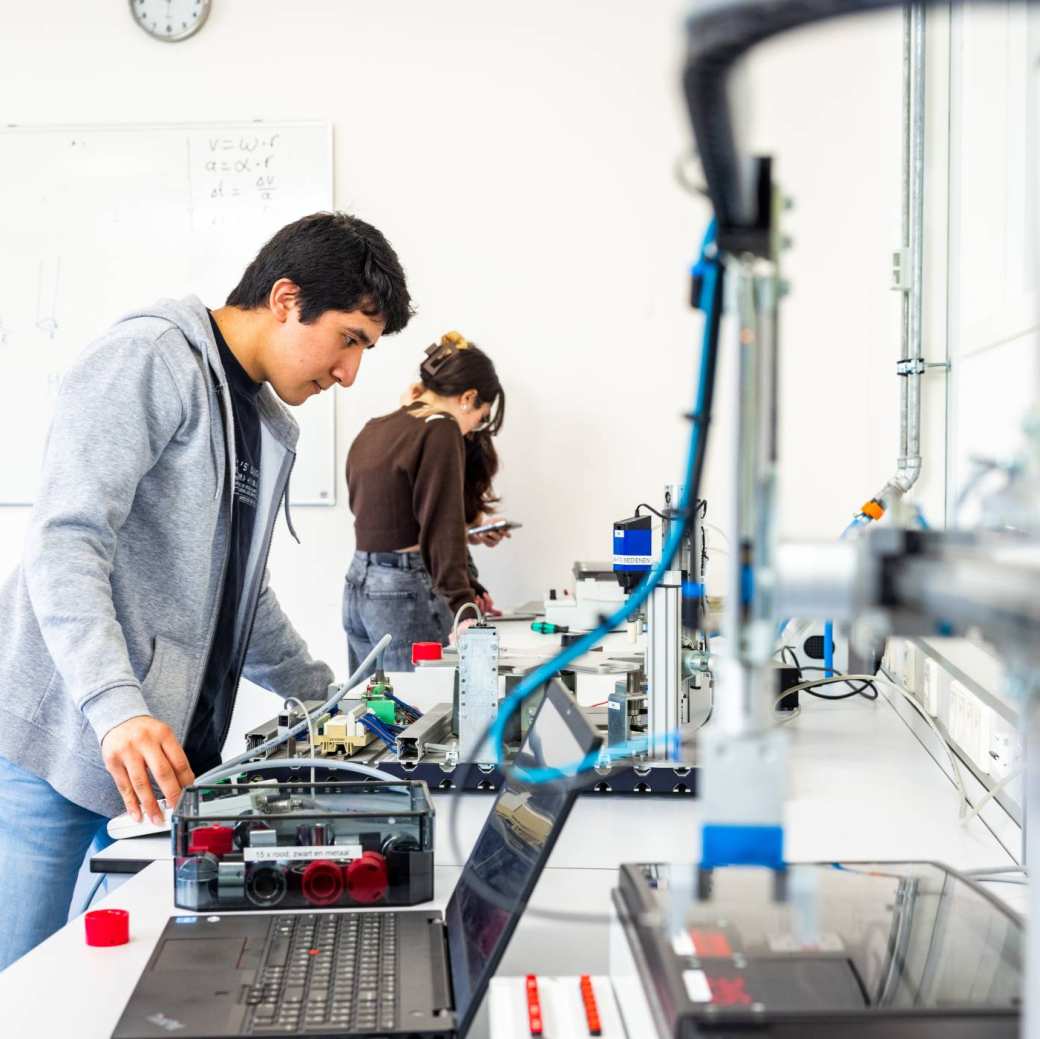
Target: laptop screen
column 511, row 851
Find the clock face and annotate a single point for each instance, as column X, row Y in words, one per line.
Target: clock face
column 170, row 20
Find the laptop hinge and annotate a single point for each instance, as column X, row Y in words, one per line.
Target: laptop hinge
column 439, row 958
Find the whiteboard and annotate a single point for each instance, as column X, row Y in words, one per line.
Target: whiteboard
column 99, row 221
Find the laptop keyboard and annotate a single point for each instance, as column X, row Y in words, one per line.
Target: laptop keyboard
column 327, row 972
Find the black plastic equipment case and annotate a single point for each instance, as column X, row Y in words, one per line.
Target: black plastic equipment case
column 893, row 950
column 297, row 845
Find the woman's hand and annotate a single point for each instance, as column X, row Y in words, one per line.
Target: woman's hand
column 487, row 605
column 462, row 626
column 489, row 537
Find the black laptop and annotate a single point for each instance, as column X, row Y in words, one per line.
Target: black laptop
column 372, row 973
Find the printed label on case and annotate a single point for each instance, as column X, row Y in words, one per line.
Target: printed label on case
column 296, row 853
column 697, row 987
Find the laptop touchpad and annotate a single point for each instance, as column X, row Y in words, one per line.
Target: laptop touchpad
column 198, row 953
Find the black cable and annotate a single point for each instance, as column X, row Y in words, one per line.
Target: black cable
column 788, row 653
column 856, row 690
column 649, row 508
column 784, row 651
column 699, row 508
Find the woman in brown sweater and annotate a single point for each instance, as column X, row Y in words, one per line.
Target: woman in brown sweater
column 417, row 478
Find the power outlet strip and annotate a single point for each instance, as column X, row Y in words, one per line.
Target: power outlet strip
column 969, row 726
column 908, row 675
column 931, row 685
column 893, row 659
column 1002, row 754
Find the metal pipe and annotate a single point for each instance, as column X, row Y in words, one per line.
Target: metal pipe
column 742, row 753
column 719, row 35
column 744, row 703
column 910, row 459
column 663, row 670
column 911, row 354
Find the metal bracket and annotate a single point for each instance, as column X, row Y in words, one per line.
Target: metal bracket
column 911, row 366
column 902, row 278
column 478, row 691
column 918, row 366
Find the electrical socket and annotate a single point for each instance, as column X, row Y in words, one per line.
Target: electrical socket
column 969, row 726
column 894, row 658
column 931, row 681
column 1003, row 752
column 908, row 674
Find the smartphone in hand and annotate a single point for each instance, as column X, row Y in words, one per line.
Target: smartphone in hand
column 487, row 528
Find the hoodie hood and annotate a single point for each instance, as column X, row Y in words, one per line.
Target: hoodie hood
column 113, row 611
column 191, row 317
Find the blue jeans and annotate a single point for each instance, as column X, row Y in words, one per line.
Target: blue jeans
column 43, row 841
column 391, row 592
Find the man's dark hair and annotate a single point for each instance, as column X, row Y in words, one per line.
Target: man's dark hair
column 338, row 262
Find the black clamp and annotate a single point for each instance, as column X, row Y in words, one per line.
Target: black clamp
column 911, row 366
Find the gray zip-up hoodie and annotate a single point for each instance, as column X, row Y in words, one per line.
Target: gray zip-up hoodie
column 112, row 611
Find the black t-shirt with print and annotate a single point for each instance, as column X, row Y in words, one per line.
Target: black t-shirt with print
column 217, row 693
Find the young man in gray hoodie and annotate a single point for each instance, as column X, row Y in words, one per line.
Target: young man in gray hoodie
column 142, row 596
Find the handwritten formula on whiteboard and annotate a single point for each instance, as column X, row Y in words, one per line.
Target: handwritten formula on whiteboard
column 233, row 173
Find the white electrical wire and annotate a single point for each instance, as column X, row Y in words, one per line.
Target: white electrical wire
column 789, row 716
column 355, row 680
column 994, row 871
column 993, row 791
column 963, row 803
column 310, row 725
column 255, row 766
column 927, row 718
column 458, row 613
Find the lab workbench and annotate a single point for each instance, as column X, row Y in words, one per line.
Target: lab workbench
column 862, row 787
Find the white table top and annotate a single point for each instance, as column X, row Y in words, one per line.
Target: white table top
column 861, row 787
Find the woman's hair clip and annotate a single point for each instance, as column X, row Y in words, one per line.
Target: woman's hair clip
column 438, row 353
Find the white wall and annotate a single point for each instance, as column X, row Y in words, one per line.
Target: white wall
column 520, row 160
column 981, row 236
column 993, row 231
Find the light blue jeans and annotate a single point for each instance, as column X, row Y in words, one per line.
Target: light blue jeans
column 43, row 841
column 391, row 592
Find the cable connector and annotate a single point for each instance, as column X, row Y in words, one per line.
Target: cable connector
column 873, row 509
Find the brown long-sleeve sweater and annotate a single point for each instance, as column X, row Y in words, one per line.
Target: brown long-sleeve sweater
column 405, row 478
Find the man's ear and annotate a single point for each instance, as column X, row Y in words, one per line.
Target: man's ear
column 283, row 299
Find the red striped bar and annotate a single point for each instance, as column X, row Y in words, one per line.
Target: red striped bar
column 534, row 1006
column 588, row 997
